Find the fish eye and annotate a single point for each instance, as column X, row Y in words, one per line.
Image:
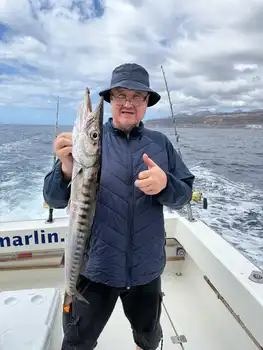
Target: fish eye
column 94, row 135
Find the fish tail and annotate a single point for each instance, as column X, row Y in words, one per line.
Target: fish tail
column 80, row 297
column 68, row 300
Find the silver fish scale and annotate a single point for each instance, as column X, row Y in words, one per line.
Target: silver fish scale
column 82, row 226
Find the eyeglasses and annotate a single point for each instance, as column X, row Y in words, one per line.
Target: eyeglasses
column 137, row 100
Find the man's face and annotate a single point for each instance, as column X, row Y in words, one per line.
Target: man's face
column 126, row 114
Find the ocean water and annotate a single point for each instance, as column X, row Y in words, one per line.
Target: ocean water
column 227, row 163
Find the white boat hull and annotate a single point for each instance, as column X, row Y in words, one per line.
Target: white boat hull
column 209, row 298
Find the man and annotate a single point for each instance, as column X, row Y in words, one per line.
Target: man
column 141, row 172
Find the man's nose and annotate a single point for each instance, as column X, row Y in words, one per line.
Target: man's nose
column 128, row 104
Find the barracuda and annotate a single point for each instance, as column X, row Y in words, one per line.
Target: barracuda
column 86, row 152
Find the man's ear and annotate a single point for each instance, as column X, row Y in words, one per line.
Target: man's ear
column 147, row 99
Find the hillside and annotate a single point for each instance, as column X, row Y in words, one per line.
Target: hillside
column 208, row 119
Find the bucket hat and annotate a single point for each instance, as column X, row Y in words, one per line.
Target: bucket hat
column 134, row 77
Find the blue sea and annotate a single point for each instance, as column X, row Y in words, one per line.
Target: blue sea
column 227, row 163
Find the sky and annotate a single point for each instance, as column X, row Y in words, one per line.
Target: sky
column 212, row 54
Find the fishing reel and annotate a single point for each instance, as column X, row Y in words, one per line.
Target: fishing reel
column 197, row 197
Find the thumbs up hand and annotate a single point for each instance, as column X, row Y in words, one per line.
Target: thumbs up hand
column 153, row 180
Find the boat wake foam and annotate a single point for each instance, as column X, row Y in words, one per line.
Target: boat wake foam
column 235, row 211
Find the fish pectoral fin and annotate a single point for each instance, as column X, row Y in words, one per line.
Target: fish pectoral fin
column 79, row 172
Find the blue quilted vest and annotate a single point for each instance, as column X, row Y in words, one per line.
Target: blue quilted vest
column 127, row 246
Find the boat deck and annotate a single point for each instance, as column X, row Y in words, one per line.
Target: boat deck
column 190, row 308
column 117, row 334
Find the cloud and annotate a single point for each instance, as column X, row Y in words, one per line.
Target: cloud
column 212, row 54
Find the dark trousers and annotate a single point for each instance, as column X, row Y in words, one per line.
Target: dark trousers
column 84, row 322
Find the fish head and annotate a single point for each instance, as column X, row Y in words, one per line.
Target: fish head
column 87, row 134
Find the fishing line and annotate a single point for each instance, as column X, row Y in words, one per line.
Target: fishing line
column 177, row 136
column 196, row 194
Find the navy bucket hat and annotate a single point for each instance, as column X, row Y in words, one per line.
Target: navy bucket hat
column 134, row 77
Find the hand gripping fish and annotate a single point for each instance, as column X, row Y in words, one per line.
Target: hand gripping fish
column 86, row 152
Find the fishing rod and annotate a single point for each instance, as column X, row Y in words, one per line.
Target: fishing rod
column 177, row 136
column 50, row 212
column 196, row 195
